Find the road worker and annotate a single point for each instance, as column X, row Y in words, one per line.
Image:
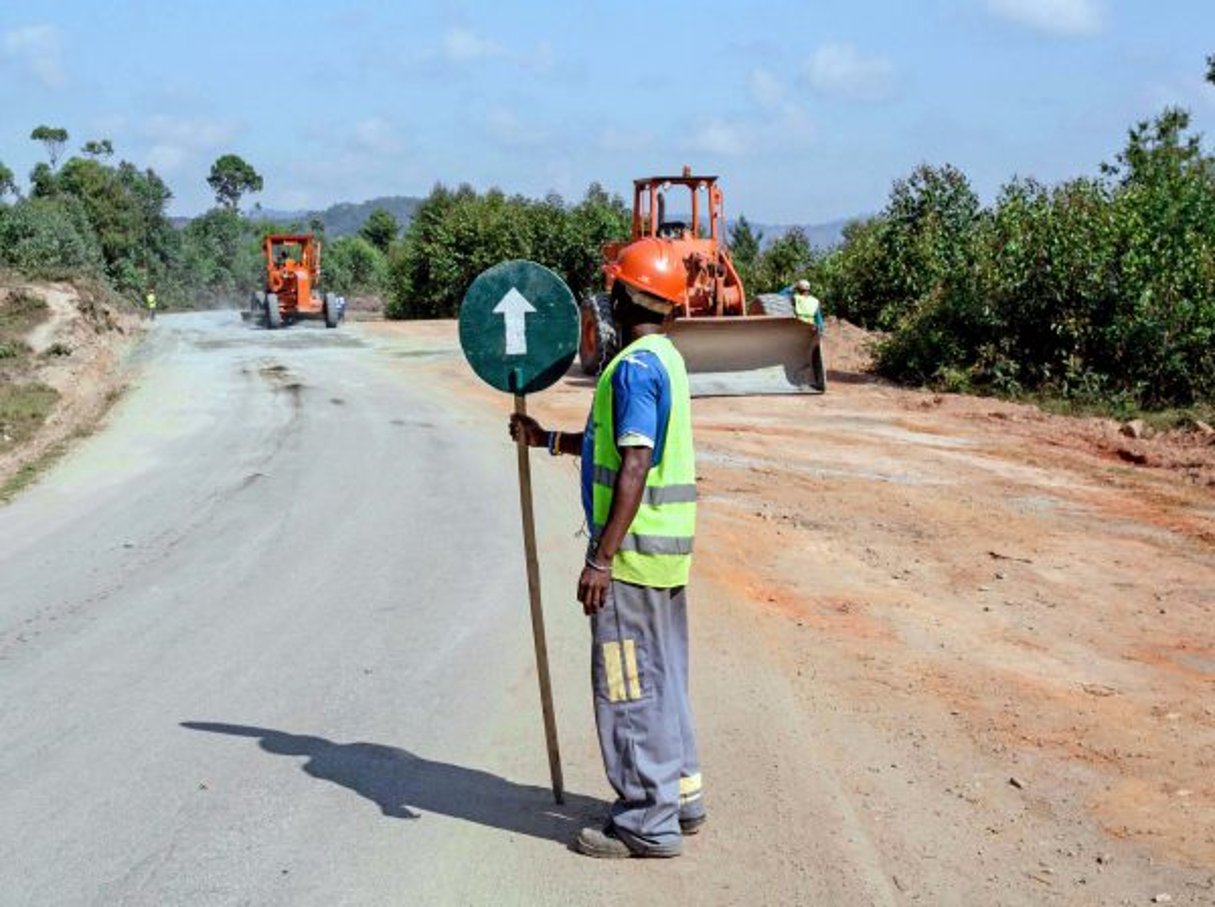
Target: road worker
column 639, row 494
column 805, row 306
column 150, row 302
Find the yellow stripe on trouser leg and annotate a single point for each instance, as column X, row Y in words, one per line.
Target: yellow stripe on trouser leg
column 689, row 788
column 630, row 669
column 612, row 671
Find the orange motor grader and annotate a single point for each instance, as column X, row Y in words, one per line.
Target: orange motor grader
column 293, row 267
column 731, row 346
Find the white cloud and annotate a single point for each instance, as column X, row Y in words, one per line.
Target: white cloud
column 195, row 133
column 767, row 90
column 840, row 70
column 463, row 46
column 778, row 120
column 614, row 139
column 375, row 136
column 1054, row 17
column 784, row 119
column 504, row 125
column 38, row 48
column 178, row 141
column 166, row 159
column 723, row 137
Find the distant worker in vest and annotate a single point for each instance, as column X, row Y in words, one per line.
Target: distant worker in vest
column 639, row 494
column 806, row 306
column 150, row 302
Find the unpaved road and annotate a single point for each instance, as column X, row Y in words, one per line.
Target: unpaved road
column 264, row 641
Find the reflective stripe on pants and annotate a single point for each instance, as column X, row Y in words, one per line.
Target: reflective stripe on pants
column 639, row 671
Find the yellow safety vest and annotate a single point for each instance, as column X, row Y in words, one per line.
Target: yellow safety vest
column 806, row 307
column 657, row 550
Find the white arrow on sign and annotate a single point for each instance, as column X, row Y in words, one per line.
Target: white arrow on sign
column 514, row 308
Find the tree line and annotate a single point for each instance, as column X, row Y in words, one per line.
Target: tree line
column 1098, row 289
column 88, row 216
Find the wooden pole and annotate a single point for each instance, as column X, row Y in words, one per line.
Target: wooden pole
column 533, row 589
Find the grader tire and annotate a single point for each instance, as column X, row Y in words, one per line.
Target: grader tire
column 274, row 316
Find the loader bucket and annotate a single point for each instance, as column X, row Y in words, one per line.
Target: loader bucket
column 754, row 354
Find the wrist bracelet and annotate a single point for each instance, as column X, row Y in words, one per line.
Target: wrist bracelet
column 597, row 567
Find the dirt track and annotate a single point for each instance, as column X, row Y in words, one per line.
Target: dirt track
column 990, row 629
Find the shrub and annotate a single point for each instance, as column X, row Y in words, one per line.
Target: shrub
column 49, row 238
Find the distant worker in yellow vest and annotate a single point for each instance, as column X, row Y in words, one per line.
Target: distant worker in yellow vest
column 639, row 494
column 150, row 301
column 806, row 306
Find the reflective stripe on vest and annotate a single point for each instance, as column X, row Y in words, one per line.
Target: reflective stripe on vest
column 653, row 494
column 657, row 549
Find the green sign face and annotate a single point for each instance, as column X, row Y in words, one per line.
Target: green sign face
column 519, row 327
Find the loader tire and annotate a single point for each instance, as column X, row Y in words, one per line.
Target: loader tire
column 257, row 301
column 597, row 341
column 775, row 304
column 274, row 316
column 332, row 313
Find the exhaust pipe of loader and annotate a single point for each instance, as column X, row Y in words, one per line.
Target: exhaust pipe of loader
column 755, row 354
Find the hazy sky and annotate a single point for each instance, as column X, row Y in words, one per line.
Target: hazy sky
column 807, row 110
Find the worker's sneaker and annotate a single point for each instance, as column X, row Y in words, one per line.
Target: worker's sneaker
column 692, row 824
column 605, row 844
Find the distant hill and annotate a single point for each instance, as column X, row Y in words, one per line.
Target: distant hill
column 822, row 236
column 345, row 218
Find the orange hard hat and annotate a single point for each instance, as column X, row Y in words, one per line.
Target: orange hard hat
column 651, row 266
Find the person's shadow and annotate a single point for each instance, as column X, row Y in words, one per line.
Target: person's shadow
column 395, row 780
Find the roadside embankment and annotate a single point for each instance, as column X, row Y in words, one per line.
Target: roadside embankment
column 61, row 352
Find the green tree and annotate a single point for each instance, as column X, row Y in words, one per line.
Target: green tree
column 1160, row 345
column 351, row 264
column 455, row 235
column 49, row 238
column 601, row 217
column 852, row 277
column 100, row 148
column 53, row 138
column 220, row 251
column 232, row 177
column 7, row 185
column 1211, row 69
column 380, row 229
column 745, row 244
column 125, row 207
column 785, row 261
column 43, row 182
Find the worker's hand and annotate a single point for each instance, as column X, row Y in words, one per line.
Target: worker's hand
column 593, row 588
column 533, row 434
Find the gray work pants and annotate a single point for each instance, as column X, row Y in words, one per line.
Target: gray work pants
column 639, row 671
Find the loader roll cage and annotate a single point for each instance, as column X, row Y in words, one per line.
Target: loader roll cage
column 650, row 208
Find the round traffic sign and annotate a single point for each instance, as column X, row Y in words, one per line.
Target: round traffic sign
column 519, row 327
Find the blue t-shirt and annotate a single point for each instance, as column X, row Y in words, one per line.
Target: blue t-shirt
column 641, row 409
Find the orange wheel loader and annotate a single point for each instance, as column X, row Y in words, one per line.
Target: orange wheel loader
column 293, row 267
column 731, row 347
